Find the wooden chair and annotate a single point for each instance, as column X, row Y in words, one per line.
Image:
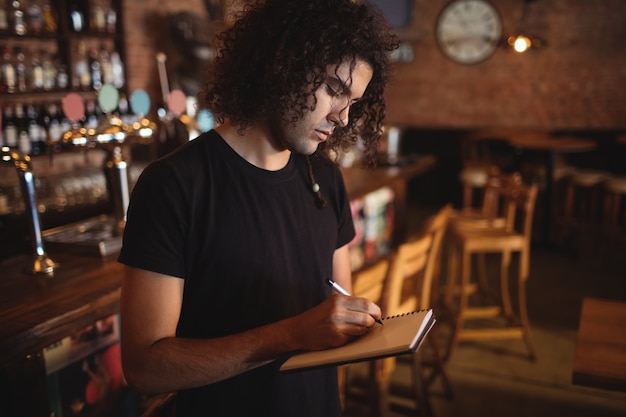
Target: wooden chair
column 408, row 287
column 514, row 238
column 490, row 214
column 367, row 283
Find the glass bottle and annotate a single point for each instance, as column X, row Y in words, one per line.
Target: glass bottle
column 34, row 18
column 4, row 17
column 111, row 18
column 23, row 140
column 77, row 17
column 55, row 131
column 35, row 131
column 36, row 69
column 20, row 69
column 91, row 118
column 81, row 78
column 98, row 16
column 106, row 65
column 63, row 79
column 19, row 22
column 49, row 19
column 118, row 70
column 9, row 127
column 96, row 69
column 49, row 71
column 8, row 77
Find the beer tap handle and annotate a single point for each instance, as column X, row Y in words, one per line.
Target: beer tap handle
column 42, row 263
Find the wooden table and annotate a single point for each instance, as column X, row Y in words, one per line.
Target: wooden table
column 550, row 146
column 360, row 181
column 600, row 359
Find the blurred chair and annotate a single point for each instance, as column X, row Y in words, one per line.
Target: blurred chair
column 518, row 204
column 580, row 220
column 490, row 214
column 473, row 178
column 408, row 287
column 367, row 283
column 614, row 229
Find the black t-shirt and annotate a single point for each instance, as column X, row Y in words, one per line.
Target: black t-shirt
column 253, row 248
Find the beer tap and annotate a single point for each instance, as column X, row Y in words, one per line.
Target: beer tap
column 42, row 263
column 111, row 135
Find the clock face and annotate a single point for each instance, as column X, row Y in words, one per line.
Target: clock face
column 468, row 31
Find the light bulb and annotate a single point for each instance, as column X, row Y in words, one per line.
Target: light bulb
column 520, row 43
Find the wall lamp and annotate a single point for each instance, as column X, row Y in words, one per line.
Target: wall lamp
column 522, row 41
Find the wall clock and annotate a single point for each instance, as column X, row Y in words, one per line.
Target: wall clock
column 468, row 31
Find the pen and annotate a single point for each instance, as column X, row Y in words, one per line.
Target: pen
column 342, row 291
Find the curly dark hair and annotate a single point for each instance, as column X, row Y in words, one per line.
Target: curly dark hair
column 275, row 56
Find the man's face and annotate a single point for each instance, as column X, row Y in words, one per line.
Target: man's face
column 335, row 95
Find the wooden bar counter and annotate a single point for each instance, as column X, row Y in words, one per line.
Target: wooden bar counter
column 38, row 311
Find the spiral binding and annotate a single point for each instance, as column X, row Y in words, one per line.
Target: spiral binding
column 405, row 314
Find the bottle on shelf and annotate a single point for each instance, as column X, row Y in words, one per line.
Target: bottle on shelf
column 34, row 18
column 95, row 68
column 106, row 66
column 77, row 17
column 49, row 71
column 91, row 117
column 111, row 18
column 81, row 78
column 49, row 18
column 9, row 127
column 55, row 127
column 118, row 70
column 35, row 131
column 36, row 71
column 63, row 79
column 23, row 140
column 18, row 18
column 43, row 120
column 8, row 77
column 20, row 69
column 98, row 17
column 4, row 17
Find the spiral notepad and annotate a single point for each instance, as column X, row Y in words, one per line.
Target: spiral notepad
column 399, row 334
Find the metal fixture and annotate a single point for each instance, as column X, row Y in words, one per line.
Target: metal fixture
column 42, row 263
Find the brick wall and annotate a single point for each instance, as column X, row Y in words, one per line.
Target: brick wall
column 577, row 82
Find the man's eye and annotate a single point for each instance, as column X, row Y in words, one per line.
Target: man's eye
column 332, row 92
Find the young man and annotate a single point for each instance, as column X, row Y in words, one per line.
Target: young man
column 231, row 238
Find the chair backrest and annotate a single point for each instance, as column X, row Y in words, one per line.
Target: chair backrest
column 495, row 189
column 519, row 206
column 370, row 282
column 415, row 266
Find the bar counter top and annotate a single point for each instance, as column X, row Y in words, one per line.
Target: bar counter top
column 37, row 311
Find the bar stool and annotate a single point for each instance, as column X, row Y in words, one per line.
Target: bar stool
column 473, row 178
column 514, row 238
column 614, row 211
column 581, row 208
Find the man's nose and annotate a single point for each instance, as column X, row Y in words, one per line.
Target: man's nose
column 339, row 113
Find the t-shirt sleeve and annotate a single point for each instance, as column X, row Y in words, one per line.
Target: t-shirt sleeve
column 154, row 236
